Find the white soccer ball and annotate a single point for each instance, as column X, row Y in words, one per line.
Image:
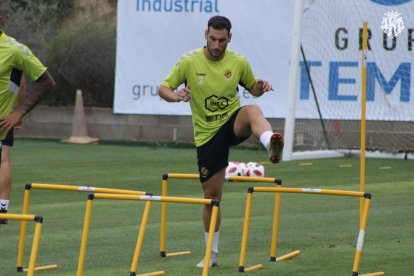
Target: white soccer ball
column 243, row 168
column 250, row 164
column 255, row 169
column 233, row 169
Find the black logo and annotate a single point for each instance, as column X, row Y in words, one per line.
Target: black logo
column 214, row 103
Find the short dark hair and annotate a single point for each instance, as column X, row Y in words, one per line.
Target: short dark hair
column 219, row 23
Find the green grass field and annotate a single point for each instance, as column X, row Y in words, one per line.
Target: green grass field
column 323, row 228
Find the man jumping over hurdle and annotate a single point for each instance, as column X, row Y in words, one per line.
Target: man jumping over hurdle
column 211, row 75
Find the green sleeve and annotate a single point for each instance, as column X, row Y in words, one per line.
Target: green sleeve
column 176, row 76
column 247, row 79
column 28, row 63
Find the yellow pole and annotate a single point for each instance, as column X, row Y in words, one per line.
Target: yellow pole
column 85, row 234
column 23, row 227
column 209, row 247
column 288, row 256
column 35, row 246
column 245, row 230
column 17, row 216
column 163, row 226
column 275, row 228
column 141, row 235
column 73, row 188
column 231, row 178
column 44, row 267
column 184, row 175
column 308, row 191
column 253, row 268
column 188, row 200
column 361, row 236
column 251, row 179
column 363, row 114
column 374, row 274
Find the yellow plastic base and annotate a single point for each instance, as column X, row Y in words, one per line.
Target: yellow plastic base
column 253, row 268
column 153, row 273
column 178, row 253
column 45, row 267
column 288, row 256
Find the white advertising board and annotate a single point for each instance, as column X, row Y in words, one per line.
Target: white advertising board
column 153, row 34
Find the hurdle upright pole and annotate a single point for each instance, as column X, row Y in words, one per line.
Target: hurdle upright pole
column 35, row 245
column 85, row 233
column 209, row 247
column 361, row 235
column 275, row 230
column 363, row 115
column 245, row 229
column 163, row 224
column 23, row 227
column 275, row 227
column 140, row 238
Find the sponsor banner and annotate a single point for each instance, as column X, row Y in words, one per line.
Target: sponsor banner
column 331, row 39
column 153, row 34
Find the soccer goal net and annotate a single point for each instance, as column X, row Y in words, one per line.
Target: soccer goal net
column 328, row 103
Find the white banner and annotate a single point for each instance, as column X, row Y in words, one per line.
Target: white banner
column 153, row 34
column 331, row 38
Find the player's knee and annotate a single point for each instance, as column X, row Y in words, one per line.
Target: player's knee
column 212, row 194
column 255, row 109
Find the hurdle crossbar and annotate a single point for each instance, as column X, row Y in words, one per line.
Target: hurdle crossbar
column 56, row 187
column 163, row 224
column 141, row 234
column 36, row 238
column 278, row 190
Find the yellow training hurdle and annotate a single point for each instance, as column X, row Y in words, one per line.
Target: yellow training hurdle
column 36, row 239
column 57, row 187
column 163, row 225
column 141, row 234
column 278, row 190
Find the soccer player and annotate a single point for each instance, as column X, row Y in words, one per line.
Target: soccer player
column 211, row 75
column 16, row 59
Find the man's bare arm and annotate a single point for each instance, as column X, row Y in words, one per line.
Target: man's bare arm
column 260, row 87
column 170, row 96
column 43, row 86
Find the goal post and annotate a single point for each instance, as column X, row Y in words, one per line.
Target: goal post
column 323, row 116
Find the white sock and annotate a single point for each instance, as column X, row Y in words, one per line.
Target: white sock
column 265, row 139
column 4, row 204
column 215, row 240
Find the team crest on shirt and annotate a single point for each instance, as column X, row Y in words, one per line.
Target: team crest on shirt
column 227, row 74
column 204, row 172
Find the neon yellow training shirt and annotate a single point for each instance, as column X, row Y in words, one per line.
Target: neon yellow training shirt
column 15, row 58
column 213, row 86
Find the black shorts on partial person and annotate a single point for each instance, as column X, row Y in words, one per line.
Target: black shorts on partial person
column 213, row 156
column 8, row 141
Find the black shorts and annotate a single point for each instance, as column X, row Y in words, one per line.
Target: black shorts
column 8, row 141
column 213, row 156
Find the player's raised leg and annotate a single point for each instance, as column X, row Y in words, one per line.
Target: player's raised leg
column 250, row 120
